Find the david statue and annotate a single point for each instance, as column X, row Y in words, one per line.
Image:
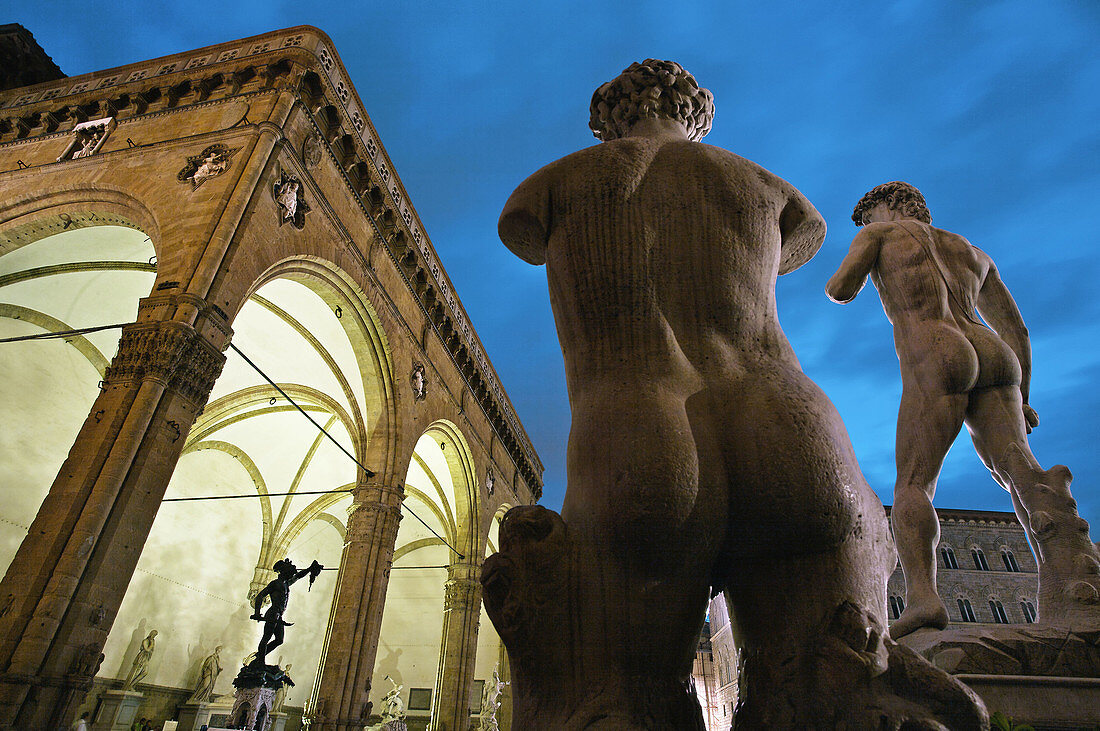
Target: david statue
column 965, row 359
column 701, row 458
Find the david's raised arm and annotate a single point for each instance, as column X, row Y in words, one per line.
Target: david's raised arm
column 852, row 274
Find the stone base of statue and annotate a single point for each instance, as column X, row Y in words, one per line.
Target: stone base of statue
column 1048, row 677
column 254, row 699
column 118, row 710
column 252, row 709
column 278, row 721
column 193, row 716
column 393, row 725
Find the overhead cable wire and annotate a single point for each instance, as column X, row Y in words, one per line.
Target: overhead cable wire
column 251, row 495
column 61, row 333
column 369, row 472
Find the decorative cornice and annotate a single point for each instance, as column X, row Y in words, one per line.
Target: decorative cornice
column 232, row 68
column 973, row 517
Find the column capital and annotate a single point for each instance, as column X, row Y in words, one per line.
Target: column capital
column 463, row 588
column 171, row 353
column 373, row 498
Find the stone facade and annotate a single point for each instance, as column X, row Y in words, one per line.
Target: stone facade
column 258, row 182
column 985, row 571
column 992, row 566
column 22, row 60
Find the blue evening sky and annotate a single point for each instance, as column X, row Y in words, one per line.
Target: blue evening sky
column 990, row 108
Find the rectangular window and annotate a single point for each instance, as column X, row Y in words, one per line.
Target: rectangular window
column 420, row 699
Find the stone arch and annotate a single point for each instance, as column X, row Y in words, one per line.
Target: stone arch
column 39, row 214
column 460, row 463
column 48, row 285
column 370, row 342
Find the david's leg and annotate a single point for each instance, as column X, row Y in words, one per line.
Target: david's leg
column 1069, row 562
column 927, row 425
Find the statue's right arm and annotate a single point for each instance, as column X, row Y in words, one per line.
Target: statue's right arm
column 857, row 265
column 524, row 225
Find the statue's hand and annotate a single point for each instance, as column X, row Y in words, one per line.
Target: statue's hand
column 1031, row 419
column 256, row 616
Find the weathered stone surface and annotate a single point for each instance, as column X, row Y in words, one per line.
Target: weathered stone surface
column 1031, row 650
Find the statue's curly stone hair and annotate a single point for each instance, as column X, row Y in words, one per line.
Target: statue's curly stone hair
column 897, row 195
column 651, row 90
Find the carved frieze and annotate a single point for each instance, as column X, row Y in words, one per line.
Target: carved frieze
column 287, row 192
column 88, row 137
column 210, row 163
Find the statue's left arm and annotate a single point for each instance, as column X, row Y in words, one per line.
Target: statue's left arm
column 524, row 225
column 996, row 306
column 314, row 570
column 802, row 230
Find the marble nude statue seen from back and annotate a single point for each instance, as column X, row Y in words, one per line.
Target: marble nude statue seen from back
column 936, row 289
column 700, row 457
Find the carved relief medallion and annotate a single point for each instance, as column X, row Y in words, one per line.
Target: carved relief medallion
column 490, row 481
column 311, row 150
column 288, row 197
column 419, row 382
column 88, row 138
column 210, row 163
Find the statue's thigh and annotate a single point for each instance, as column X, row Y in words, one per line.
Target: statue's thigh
column 794, row 482
column 635, row 473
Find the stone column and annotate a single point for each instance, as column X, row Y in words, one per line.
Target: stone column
column 341, row 696
column 461, row 615
column 63, row 589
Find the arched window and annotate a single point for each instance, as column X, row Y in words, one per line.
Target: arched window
column 949, row 560
column 966, row 611
column 998, row 610
column 979, row 559
column 897, row 606
column 1028, row 609
column 1009, row 560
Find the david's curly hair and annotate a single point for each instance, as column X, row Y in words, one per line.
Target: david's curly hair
column 651, row 90
column 897, row 195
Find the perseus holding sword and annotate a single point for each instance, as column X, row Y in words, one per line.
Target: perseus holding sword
column 278, row 591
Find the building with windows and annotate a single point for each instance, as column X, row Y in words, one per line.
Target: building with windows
column 985, row 571
column 986, row 574
column 230, row 218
